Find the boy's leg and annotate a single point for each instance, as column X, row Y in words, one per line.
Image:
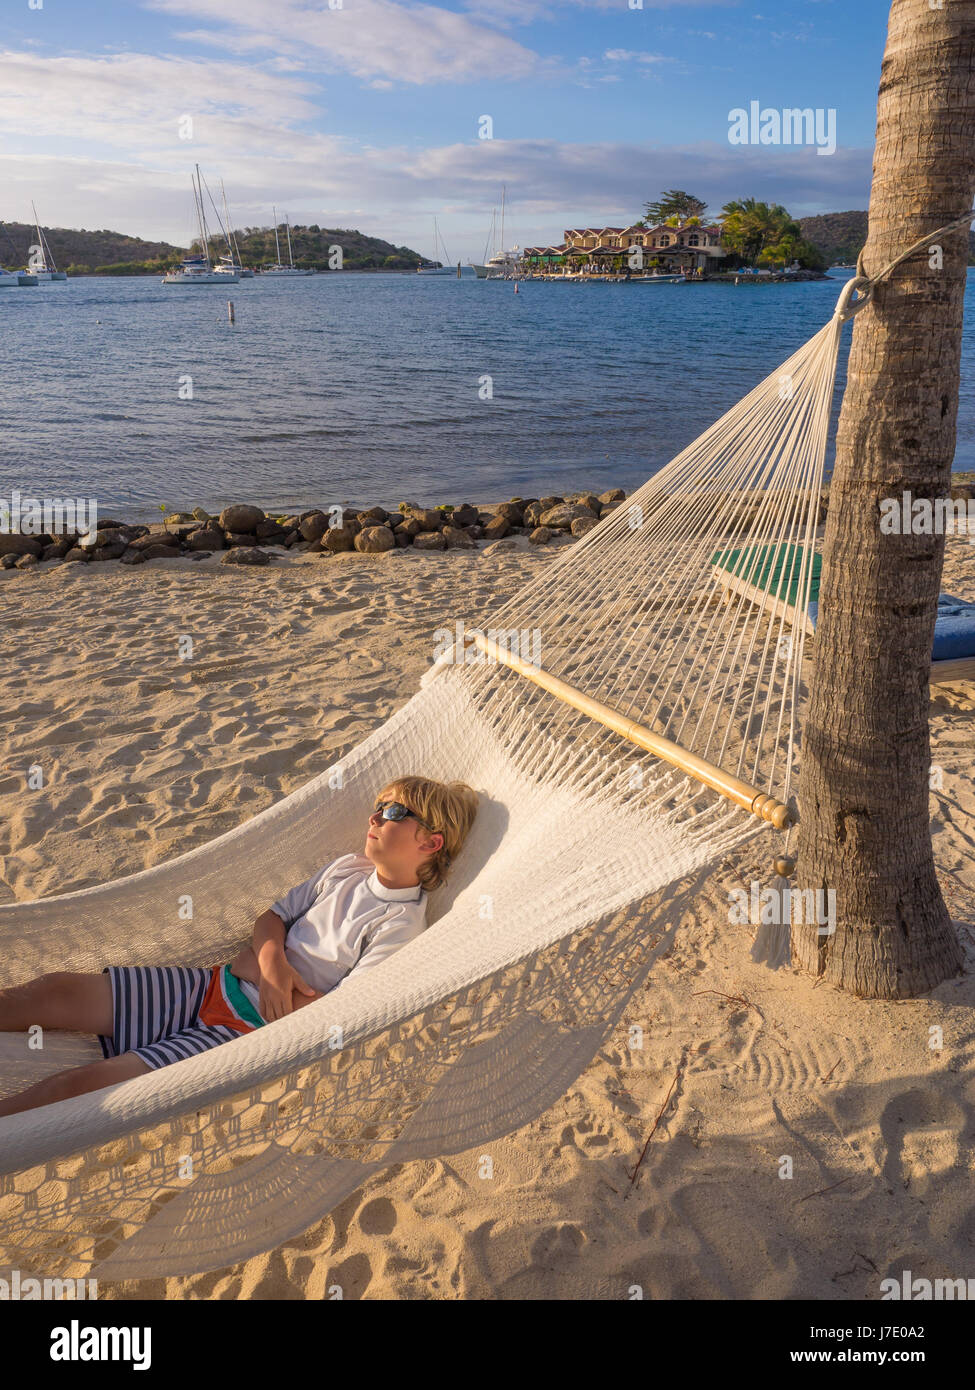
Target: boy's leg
column 76, row 1001
column 75, row 1082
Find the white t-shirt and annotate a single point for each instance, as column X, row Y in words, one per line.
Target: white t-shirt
column 343, row 918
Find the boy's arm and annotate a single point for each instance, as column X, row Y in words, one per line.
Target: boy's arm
column 271, row 928
column 265, row 964
column 267, row 945
column 269, row 937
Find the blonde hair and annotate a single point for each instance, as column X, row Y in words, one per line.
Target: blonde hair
column 447, row 808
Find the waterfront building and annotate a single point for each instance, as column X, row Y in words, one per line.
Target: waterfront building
column 689, row 249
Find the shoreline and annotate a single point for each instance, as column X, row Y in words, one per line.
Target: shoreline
column 288, row 518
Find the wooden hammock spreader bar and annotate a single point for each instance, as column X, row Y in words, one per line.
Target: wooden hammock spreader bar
column 759, row 803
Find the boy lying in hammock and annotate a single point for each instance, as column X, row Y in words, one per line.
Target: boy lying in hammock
column 353, row 914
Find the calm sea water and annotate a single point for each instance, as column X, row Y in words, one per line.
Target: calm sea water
column 365, row 388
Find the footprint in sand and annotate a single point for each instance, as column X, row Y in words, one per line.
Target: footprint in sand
column 378, row 1217
column 921, row 1129
column 794, row 1064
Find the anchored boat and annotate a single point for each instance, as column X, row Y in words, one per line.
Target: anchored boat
column 40, row 265
column 198, row 270
column 278, row 268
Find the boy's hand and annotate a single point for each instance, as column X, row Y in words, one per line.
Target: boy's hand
column 279, row 983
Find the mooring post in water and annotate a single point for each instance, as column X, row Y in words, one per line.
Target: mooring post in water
column 230, row 311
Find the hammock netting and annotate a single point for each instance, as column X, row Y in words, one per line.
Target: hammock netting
column 573, row 875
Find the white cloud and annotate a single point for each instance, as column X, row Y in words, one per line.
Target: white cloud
column 629, row 55
column 415, row 43
column 509, row 12
column 135, row 102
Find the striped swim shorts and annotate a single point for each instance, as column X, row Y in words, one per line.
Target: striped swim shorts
column 166, row 1013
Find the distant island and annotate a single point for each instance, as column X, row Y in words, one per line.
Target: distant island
column 841, row 236
column 112, row 253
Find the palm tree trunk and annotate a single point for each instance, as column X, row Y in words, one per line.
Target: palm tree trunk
column 866, row 751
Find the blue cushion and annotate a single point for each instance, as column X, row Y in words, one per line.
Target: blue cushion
column 954, row 628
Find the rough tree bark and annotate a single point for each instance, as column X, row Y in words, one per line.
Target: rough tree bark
column 866, row 749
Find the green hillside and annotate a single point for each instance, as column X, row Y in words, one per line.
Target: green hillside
column 111, row 253
column 311, row 247
column 841, row 236
column 84, row 253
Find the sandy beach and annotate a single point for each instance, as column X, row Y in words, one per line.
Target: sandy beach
column 146, row 755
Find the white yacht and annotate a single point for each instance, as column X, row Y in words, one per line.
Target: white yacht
column 503, row 265
column 9, row 279
column 198, row 270
column 278, row 268
column 41, row 264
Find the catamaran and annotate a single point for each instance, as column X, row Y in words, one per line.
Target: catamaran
column 41, row 264
column 197, row 270
column 278, row 269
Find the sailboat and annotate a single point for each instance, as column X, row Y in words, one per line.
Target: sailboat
column 9, row 279
column 481, row 271
column 503, row 264
column 278, row 269
column 198, row 270
column 435, row 267
column 230, row 264
column 41, row 264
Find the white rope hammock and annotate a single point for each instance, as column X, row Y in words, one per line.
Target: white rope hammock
column 539, row 939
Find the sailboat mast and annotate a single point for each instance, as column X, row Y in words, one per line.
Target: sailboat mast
column 503, row 188
column 201, row 217
column 40, row 239
column 440, row 245
column 235, row 258
column 287, row 227
column 277, row 244
column 491, row 235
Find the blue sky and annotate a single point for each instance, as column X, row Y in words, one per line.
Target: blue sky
column 367, row 114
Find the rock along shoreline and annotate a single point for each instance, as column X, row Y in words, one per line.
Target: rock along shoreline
column 248, row 535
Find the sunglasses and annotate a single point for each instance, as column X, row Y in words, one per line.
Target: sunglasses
column 395, row 810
